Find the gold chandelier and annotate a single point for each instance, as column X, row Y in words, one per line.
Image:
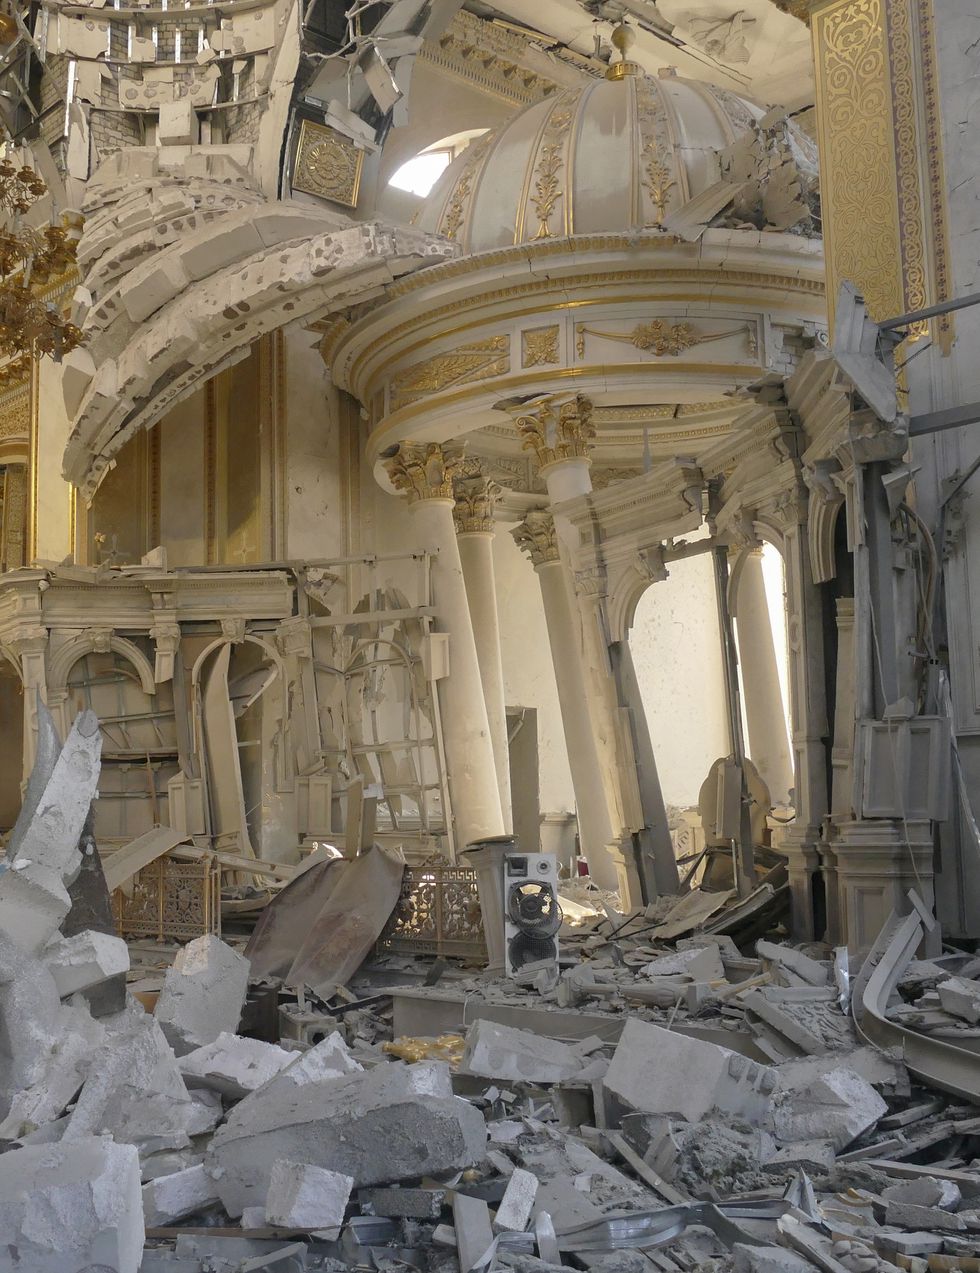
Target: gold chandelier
column 31, row 259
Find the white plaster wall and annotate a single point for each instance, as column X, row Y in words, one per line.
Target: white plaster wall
column 314, row 526
column 529, row 676
column 677, row 654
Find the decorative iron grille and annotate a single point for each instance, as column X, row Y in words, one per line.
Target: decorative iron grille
column 438, row 913
column 170, row 900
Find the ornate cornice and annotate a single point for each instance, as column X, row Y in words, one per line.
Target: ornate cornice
column 557, row 429
column 476, row 498
column 537, row 537
column 425, row 472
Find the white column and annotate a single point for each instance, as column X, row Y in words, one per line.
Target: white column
column 537, row 537
column 764, row 717
column 475, row 498
column 426, row 474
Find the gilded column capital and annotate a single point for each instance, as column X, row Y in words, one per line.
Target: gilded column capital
column 424, row 472
column 476, row 498
column 557, row 429
column 537, row 537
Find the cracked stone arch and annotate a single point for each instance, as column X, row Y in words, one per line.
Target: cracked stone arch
column 225, row 275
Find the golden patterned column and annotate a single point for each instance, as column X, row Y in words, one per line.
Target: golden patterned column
column 881, row 170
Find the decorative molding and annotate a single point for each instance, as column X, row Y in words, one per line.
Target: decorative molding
column 476, row 499
column 539, row 346
column 662, row 339
column 491, row 57
column 328, row 164
column 557, row 429
column 536, row 536
column 904, row 125
column 936, row 168
column 478, row 360
column 454, row 213
column 425, row 472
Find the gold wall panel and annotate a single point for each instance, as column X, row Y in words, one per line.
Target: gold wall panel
column 880, row 137
column 328, row 164
column 539, row 346
column 857, row 157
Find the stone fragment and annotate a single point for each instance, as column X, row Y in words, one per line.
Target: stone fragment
column 838, row 1107
column 330, row 1058
column 961, row 998
column 395, row 1122
column 234, row 1065
column 412, row 1204
column 700, row 964
column 893, row 1241
column 71, row 1208
column 767, row 1259
column 51, row 839
column 815, row 1157
column 253, row 1218
column 883, row 1072
column 202, row 994
column 168, row 1163
column 656, row 1071
column 925, row 1191
column 169, row 1198
column 33, row 902
column 305, row 1197
column 135, row 1092
column 812, row 972
column 501, row 1052
column 86, row 960
column 474, row 1236
column 514, row 1213
column 906, row 1215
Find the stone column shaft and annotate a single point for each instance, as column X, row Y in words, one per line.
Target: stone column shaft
column 764, row 718
column 476, row 557
column 426, row 475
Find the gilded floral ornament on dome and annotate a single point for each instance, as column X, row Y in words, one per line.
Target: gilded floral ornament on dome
column 547, row 186
column 664, row 339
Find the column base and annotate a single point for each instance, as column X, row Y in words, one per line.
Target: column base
column 801, row 847
column 877, row 863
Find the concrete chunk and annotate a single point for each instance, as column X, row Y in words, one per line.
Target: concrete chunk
column 474, row 1237
column 906, row 1215
column 392, row 1123
column 234, row 1065
column 768, row 1259
column 501, row 1052
column 412, row 1204
column 517, row 1205
column 305, row 1197
column 961, row 997
column 85, row 960
column 71, row 1208
column 202, row 994
column 656, row 1071
column 810, row 970
column 33, row 903
column 925, row 1191
column 169, row 1198
column 838, row 1107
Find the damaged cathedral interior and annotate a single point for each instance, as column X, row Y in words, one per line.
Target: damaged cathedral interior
column 489, row 676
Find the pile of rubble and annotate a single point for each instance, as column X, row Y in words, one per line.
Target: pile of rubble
column 725, row 1113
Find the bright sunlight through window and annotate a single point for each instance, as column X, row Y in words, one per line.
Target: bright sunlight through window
column 420, row 174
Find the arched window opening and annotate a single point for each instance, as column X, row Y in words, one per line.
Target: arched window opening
column 418, row 175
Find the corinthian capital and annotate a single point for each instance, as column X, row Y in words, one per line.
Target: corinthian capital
column 425, row 472
column 476, row 498
column 536, row 536
column 557, row 429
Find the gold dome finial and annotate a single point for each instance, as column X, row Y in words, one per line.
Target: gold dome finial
column 623, row 38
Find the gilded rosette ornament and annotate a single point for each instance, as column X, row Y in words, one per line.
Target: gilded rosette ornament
column 537, row 537
column 425, row 472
